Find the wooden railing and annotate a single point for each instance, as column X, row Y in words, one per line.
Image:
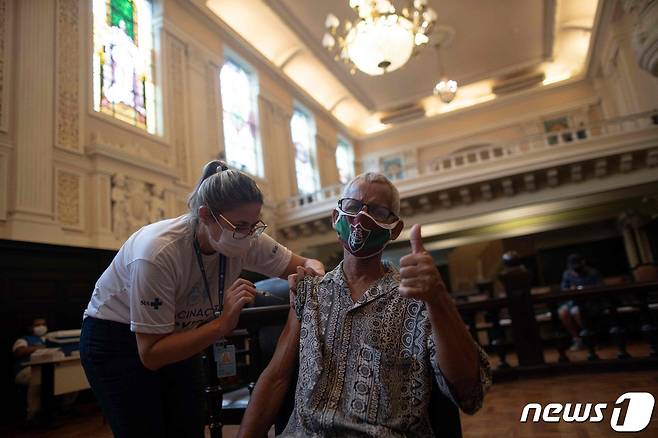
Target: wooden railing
column 515, row 325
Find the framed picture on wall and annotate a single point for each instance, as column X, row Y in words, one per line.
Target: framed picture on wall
column 555, row 126
column 393, row 166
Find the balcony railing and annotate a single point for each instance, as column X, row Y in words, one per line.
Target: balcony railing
column 492, row 153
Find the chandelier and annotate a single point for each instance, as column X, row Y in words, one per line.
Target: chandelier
column 380, row 40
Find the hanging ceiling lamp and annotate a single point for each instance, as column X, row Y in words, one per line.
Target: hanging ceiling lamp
column 380, row 40
column 445, row 89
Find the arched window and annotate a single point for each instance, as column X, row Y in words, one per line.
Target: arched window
column 123, row 61
column 302, row 128
column 345, row 160
column 239, row 88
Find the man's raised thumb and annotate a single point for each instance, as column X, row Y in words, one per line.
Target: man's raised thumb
column 416, row 240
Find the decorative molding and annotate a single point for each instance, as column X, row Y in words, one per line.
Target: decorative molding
column 522, row 122
column 177, row 62
column 135, row 203
column 127, row 154
column 530, row 182
column 491, row 105
column 213, row 100
column 200, row 50
column 275, row 108
column 69, row 207
column 469, row 202
column 645, row 32
column 576, row 173
column 34, row 114
column 67, row 107
column 5, row 47
column 485, row 191
column 103, row 198
column 548, row 34
column 321, row 142
column 136, row 150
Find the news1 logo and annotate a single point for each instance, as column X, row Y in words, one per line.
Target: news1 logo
column 631, row 412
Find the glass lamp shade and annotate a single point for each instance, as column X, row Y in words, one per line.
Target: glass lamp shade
column 446, row 89
column 381, row 45
column 331, row 22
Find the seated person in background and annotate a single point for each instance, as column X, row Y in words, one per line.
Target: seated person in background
column 370, row 338
column 22, row 349
column 577, row 276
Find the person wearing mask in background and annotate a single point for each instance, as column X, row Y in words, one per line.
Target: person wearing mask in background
column 22, row 349
column 577, row 276
column 171, row 291
column 370, row 339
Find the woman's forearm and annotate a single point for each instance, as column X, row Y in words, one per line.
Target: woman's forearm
column 157, row 351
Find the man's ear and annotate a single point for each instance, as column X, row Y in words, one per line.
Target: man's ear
column 334, row 217
column 395, row 233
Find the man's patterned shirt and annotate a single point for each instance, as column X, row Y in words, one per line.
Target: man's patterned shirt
column 365, row 367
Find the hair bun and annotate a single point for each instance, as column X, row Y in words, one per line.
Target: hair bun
column 221, row 166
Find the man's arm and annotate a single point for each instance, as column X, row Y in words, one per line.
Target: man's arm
column 273, row 383
column 459, row 359
column 457, row 355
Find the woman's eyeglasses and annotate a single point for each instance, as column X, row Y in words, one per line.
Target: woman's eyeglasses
column 243, row 231
column 378, row 212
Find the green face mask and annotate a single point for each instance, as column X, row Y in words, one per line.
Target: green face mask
column 362, row 235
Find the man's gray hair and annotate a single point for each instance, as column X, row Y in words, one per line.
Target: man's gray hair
column 374, row 177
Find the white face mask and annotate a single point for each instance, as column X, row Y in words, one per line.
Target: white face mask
column 229, row 245
column 40, row 330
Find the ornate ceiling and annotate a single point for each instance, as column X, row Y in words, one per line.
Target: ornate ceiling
column 508, row 45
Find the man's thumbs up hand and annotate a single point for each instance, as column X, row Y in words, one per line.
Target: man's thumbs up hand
column 419, row 277
column 416, row 240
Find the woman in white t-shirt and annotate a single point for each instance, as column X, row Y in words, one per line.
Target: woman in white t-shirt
column 171, row 291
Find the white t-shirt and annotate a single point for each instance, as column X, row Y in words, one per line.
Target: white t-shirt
column 154, row 282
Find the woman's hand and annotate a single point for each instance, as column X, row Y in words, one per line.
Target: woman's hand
column 314, row 265
column 294, row 279
column 241, row 293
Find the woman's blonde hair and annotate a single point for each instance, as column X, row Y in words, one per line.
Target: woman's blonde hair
column 223, row 189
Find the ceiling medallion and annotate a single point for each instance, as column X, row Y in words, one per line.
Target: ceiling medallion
column 380, row 40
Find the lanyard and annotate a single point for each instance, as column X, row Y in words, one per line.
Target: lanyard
column 221, row 276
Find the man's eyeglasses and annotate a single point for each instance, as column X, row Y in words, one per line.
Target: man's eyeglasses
column 243, row 231
column 378, row 212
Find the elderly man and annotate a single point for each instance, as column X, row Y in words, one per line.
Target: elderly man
column 369, row 338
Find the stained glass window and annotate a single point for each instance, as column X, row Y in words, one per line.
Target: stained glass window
column 123, row 61
column 239, row 88
column 302, row 128
column 345, row 160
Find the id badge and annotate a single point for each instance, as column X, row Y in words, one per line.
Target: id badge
column 225, row 359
